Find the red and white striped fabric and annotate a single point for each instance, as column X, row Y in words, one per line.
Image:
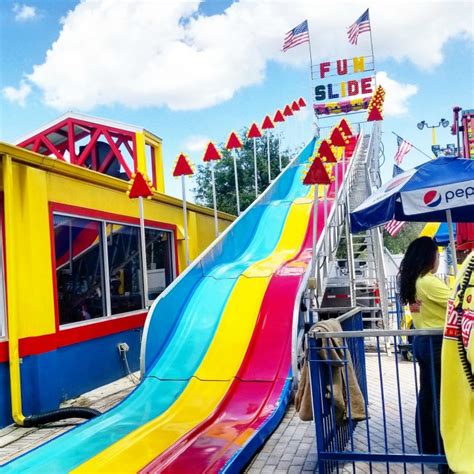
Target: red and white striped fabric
column 403, row 148
column 394, row 227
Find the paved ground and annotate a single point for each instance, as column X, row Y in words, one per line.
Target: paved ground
column 15, row 440
column 291, row 448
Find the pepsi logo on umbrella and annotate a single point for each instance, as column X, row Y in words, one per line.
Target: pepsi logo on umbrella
column 432, row 198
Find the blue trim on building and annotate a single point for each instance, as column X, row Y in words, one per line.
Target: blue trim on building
column 50, row 378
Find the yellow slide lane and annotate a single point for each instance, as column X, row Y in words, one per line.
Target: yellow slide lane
column 222, row 361
column 430, row 229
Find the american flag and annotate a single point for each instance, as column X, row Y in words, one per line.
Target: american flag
column 403, row 148
column 394, row 227
column 361, row 25
column 299, row 34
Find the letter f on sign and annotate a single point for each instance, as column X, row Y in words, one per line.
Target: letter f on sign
column 323, row 69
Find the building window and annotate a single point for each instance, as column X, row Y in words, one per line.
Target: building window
column 159, row 260
column 79, row 269
column 125, row 269
column 99, row 267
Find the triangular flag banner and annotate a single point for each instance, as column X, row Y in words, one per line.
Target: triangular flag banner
column 182, row 167
column 233, row 142
column 267, row 123
column 326, row 152
column 301, row 102
column 140, row 187
column 338, row 138
column 317, row 174
column 278, row 117
column 287, row 111
column 375, row 105
column 254, row 132
column 294, row 106
column 344, row 126
column 211, row 153
column 374, row 115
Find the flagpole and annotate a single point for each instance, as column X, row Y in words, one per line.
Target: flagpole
column 417, row 149
column 372, row 49
column 311, row 80
column 268, row 158
column 255, row 166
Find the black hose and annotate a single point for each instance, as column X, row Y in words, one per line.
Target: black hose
column 61, row 414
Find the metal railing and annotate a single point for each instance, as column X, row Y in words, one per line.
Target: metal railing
column 400, row 401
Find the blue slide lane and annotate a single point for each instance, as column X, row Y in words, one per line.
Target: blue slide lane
column 180, row 330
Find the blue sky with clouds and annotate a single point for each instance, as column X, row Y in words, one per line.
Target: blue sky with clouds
column 191, row 71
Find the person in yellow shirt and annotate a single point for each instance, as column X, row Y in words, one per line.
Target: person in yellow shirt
column 428, row 295
column 457, row 374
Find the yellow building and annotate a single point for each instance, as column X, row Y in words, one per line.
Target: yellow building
column 72, row 273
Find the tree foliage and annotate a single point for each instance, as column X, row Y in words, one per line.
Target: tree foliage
column 399, row 243
column 224, row 174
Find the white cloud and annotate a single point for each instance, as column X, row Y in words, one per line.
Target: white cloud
column 18, row 95
column 196, row 143
column 164, row 53
column 24, row 12
column 397, row 95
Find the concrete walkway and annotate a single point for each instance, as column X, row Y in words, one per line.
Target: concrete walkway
column 291, row 448
column 15, row 440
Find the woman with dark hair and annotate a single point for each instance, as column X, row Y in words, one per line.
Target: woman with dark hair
column 418, row 286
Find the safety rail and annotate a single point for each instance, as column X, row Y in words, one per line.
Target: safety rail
column 395, row 392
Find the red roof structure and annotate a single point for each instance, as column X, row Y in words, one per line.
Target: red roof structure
column 287, row 112
column 102, row 145
column 301, row 102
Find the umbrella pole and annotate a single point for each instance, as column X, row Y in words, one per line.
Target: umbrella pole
column 451, row 240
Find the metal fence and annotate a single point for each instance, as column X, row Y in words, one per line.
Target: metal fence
column 400, row 432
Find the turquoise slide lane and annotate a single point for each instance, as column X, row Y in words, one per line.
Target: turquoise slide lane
column 180, row 326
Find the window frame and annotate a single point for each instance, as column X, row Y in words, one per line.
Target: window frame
column 106, row 218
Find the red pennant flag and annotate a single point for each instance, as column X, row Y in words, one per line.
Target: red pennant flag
column 325, row 151
column 182, row 167
column 267, row 123
column 254, row 132
column 287, row 111
column 139, row 187
column 344, row 126
column 294, row 106
column 278, row 117
column 211, row 153
column 317, row 174
column 233, row 142
column 338, row 138
column 374, row 115
column 301, row 102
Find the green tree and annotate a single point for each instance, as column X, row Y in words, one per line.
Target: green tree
column 399, row 243
column 224, row 174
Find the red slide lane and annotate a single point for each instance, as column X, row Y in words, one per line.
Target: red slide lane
column 255, row 392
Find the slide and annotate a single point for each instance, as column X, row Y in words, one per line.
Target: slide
column 216, row 352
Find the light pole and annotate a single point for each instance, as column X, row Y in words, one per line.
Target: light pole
column 442, row 123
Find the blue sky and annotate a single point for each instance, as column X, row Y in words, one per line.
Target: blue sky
column 190, row 71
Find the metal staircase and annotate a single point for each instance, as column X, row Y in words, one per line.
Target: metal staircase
column 365, row 263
